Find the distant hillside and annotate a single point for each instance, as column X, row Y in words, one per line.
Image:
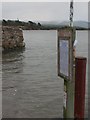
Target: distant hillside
column 45, row 25
column 80, row 24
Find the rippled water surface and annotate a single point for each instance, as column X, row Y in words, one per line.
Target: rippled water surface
column 31, row 87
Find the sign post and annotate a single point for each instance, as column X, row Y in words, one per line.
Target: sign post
column 65, row 68
column 74, row 77
column 66, row 38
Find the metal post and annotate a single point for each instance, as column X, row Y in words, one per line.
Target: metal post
column 66, row 39
column 80, row 79
column 71, row 13
column 68, row 109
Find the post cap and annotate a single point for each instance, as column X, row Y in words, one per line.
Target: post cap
column 80, row 58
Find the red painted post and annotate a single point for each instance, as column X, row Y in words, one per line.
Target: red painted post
column 80, row 80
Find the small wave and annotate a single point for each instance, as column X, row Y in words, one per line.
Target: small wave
column 12, row 60
column 8, row 87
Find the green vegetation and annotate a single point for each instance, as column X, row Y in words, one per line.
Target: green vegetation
column 24, row 25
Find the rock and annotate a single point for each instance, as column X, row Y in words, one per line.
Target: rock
column 12, row 38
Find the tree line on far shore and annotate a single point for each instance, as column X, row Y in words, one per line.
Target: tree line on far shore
column 22, row 24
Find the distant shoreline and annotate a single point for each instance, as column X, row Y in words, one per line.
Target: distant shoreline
column 36, row 26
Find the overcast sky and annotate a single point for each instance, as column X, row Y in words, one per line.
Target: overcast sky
column 44, row 11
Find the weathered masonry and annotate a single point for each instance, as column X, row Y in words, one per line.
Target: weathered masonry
column 12, row 38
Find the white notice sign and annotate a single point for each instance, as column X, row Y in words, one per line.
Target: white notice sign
column 64, row 57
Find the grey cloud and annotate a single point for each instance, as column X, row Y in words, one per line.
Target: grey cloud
column 42, row 11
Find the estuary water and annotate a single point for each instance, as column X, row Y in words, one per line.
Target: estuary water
column 31, row 87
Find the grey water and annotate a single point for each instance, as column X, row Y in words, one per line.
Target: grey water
column 31, row 87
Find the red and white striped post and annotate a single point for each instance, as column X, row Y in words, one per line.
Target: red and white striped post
column 80, row 83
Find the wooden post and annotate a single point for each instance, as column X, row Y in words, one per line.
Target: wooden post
column 80, row 80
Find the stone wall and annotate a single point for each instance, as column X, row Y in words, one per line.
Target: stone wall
column 12, row 38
